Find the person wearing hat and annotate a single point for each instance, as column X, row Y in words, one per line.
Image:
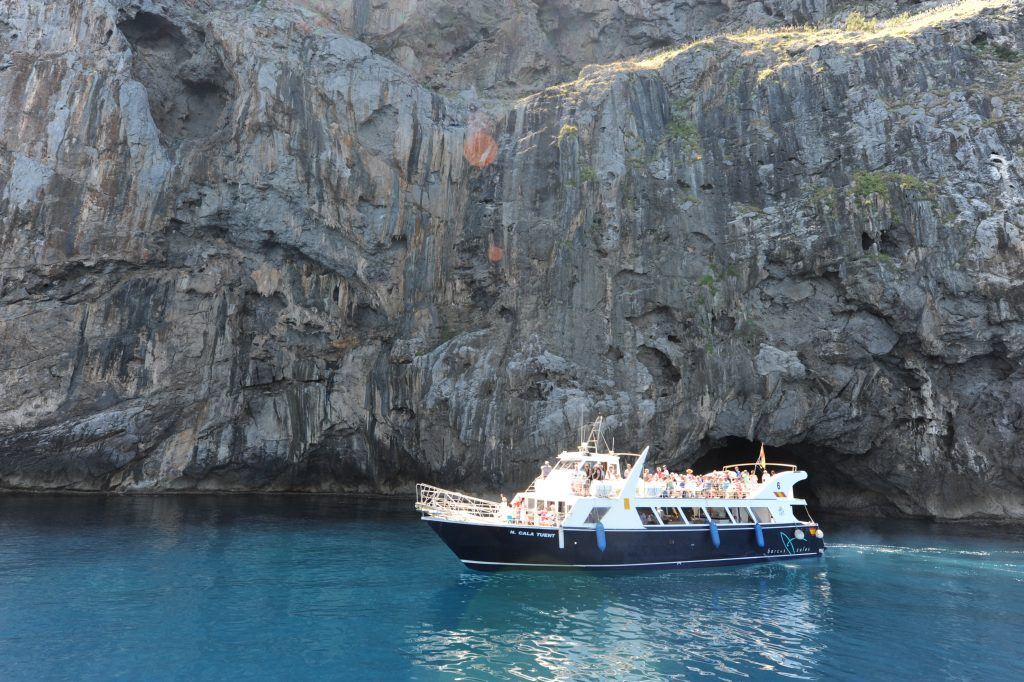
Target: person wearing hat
column 545, row 470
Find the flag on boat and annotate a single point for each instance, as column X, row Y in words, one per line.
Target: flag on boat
column 760, row 458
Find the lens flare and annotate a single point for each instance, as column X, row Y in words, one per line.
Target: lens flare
column 480, row 148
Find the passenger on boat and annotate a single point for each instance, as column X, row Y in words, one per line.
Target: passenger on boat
column 545, row 470
column 579, row 482
column 548, row 516
column 504, row 511
column 670, row 488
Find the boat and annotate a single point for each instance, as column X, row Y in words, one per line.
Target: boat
column 626, row 517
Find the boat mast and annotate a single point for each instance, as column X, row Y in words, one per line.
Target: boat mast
column 595, row 438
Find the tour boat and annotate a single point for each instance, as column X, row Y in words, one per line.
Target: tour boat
column 571, row 518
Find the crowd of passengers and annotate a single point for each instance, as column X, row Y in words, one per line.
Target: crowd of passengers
column 716, row 484
column 545, row 515
column 664, row 483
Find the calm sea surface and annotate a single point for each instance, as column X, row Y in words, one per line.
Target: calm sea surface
column 205, row 588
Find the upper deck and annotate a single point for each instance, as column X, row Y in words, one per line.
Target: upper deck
column 573, row 477
column 591, row 478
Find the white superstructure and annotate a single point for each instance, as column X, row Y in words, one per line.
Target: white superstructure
column 622, row 497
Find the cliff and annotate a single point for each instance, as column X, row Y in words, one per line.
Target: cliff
column 319, row 246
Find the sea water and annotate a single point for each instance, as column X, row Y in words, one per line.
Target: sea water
column 297, row 588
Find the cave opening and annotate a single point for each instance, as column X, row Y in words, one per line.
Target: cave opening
column 824, row 480
column 664, row 373
column 186, row 81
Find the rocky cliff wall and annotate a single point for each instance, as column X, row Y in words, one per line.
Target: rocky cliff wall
column 310, row 246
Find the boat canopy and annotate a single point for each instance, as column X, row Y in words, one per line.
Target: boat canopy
column 573, row 458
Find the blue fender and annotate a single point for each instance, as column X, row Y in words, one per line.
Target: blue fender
column 602, row 540
column 716, row 540
column 759, row 534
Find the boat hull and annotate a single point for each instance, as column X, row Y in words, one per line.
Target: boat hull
column 502, row 547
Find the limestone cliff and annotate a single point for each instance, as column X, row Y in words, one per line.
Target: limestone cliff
column 347, row 246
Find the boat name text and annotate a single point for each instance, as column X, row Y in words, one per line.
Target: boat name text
column 530, row 533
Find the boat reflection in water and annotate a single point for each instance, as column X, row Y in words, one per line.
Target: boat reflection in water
column 767, row 617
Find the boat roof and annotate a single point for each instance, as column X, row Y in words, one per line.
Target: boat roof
column 585, row 455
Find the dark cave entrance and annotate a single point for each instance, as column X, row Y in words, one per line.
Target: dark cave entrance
column 818, row 462
column 187, row 84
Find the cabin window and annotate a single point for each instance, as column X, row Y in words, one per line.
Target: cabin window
column 671, row 516
column 695, row 515
column 648, row 516
column 801, row 513
column 718, row 514
column 762, row 514
column 740, row 515
column 596, row 514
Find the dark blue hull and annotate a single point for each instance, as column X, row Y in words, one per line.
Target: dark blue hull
column 490, row 548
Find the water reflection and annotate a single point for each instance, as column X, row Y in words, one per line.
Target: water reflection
column 627, row 626
column 333, row 588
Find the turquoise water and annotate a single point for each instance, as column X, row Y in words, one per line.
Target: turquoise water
column 320, row 587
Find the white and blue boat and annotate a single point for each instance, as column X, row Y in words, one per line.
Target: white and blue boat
column 572, row 517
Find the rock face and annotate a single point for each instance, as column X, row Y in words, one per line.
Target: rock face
column 280, row 246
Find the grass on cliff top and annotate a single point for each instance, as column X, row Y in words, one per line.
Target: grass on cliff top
column 858, row 30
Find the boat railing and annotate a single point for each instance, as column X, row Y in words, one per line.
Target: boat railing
column 542, row 518
column 717, row 491
column 582, row 487
column 753, row 465
column 452, row 505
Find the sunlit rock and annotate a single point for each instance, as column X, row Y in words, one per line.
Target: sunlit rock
column 243, row 246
